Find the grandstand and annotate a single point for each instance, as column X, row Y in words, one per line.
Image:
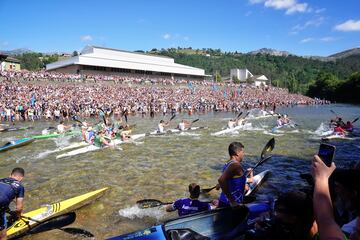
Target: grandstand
column 106, row 61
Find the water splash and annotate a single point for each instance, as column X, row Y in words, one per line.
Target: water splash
column 136, row 212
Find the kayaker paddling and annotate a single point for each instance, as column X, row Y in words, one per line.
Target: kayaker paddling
column 191, row 205
column 161, row 126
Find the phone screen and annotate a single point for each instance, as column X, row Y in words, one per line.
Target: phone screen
column 326, row 153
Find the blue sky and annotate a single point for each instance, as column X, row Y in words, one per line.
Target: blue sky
column 302, row 27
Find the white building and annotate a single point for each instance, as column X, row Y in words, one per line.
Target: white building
column 106, row 61
column 241, row 74
column 259, row 80
column 245, row 75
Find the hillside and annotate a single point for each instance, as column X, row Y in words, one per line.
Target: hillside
column 293, row 72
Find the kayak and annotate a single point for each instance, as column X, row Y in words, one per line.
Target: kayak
column 91, row 148
column 71, row 146
column 16, row 144
column 21, row 227
column 173, row 130
column 287, row 125
column 336, row 136
column 14, row 129
column 221, row 223
column 258, row 180
column 54, row 135
column 213, row 224
column 230, row 130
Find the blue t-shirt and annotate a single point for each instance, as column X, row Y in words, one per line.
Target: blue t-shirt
column 9, row 190
column 187, row 206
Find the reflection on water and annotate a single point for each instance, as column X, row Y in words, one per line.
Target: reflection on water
column 161, row 167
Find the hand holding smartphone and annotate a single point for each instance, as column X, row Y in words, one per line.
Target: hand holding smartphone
column 326, row 153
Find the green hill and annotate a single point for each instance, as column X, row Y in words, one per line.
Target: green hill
column 292, row 72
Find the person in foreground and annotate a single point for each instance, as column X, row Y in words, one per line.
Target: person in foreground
column 291, row 219
column 233, row 181
column 190, row 205
column 323, row 209
column 10, row 189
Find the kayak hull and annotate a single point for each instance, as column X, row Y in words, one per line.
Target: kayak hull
column 91, row 148
column 16, row 144
column 230, row 130
column 42, row 214
column 55, row 135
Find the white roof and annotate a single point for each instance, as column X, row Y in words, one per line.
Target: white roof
column 106, row 57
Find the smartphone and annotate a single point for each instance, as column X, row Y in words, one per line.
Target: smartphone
column 327, row 153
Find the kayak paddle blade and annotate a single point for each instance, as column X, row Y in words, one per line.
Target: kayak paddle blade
column 78, row 231
column 195, row 120
column 268, row 148
column 173, row 116
column 149, row 203
column 355, row 120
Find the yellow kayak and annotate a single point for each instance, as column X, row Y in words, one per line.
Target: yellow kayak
column 44, row 213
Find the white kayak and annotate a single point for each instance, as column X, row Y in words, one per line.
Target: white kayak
column 174, row 130
column 91, row 148
column 257, row 181
column 337, row 136
column 230, row 130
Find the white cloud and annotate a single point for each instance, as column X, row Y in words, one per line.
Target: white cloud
column 291, row 6
column 256, row 1
column 299, row 7
column 306, row 40
column 86, row 38
column 166, row 36
column 320, row 10
column 248, row 13
column 311, row 23
column 349, row 25
column 327, row 39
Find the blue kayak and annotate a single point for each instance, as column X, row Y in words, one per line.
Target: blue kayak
column 16, row 144
column 221, row 223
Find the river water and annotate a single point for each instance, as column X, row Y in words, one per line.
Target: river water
column 161, row 167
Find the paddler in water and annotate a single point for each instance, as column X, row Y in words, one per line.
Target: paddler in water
column 183, row 125
column 61, row 128
column 161, row 126
column 234, row 181
column 101, row 140
column 231, row 123
column 339, row 130
column 190, row 205
column 11, row 189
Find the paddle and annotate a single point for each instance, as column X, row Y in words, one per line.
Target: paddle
column 239, row 115
column 355, row 120
column 194, row 121
column 58, row 223
column 103, row 116
column 333, row 112
column 267, row 149
column 172, row 117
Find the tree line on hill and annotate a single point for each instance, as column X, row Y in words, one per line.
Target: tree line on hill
column 334, row 80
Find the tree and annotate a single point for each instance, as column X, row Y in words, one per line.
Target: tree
column 30, row 61
column 218, row 77
column 75, row 53
column 325, row 86
column 235, row 79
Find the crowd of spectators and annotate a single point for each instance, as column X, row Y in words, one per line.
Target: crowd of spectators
column 26, row 95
